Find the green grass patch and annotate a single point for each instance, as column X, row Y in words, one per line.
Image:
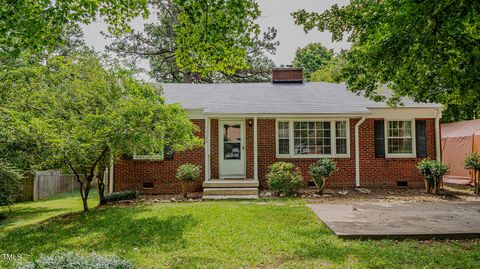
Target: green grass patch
column 27, row 213
column 225, row 234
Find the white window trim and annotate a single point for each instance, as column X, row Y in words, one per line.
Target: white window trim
column 153, row 157
column 291, row 155
column 148, row 157
column 414, row 142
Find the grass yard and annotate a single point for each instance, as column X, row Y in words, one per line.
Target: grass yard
column 226, row 234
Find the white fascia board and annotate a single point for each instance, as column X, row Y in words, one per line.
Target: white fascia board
column 296, row 116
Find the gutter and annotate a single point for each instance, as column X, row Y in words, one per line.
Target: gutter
column 357, row 151
column 438, row 152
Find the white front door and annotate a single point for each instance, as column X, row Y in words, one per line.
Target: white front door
column 232, row 149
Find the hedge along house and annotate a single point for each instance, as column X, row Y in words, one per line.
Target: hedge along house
column 247, row 127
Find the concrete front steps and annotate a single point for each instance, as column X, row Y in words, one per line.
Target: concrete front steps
column 217, row 189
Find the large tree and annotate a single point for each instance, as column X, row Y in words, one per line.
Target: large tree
column 36, row 26
column 202, row 41
column 427, row 50
column 85, row 115
column 312, row 57
column 332, row 70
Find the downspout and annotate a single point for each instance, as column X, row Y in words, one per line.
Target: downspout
column 110, row 177
column 438, row 152
column 357, row 151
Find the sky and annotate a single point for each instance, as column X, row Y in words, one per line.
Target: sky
column 275, row 13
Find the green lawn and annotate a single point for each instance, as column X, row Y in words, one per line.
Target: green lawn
column 229, row 234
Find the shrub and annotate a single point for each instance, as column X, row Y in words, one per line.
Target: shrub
column 187, row 173
column 10, row 188
column 284, row 179
column 119, row 196
column 472, row 161
column 320, row 171
column 433, row 171
column 70, row 260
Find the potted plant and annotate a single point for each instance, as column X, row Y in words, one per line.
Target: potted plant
column 320, row 171
column 187, row 173
column 433, row 171
column 472, row 161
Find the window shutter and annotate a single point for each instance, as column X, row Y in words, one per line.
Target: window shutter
column 168, row 153
column 421, row 138
column 379, row 139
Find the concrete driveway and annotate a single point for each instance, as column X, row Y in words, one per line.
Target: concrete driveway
column 401, row 220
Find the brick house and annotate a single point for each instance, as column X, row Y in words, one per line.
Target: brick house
column 247, row 127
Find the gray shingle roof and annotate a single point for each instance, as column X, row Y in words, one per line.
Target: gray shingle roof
column 268, row 98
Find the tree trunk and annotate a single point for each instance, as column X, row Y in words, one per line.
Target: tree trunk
column 84, row 191
column 320, row 185
column 427, row 186
column 184, row 190
column 101, row 185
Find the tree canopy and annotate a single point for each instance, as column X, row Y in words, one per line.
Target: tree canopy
column 332, row 71
column 202, row 41
column 426, row 50
column 36, row 26
column 312, row 57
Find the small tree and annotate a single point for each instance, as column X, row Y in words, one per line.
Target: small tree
column 284, row 179
column 87, row 114
column 187, row 173
column 320, row 171
column 472, row 161
column 433, row 171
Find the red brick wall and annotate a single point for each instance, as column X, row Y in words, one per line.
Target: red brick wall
column 374, row 172
column 385, row 172
column 267, row 156
column 131, row 174
column 214, row 151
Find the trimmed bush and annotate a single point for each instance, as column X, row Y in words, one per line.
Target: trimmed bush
column 433, row 171
column 472, row 161
column 187, row 173
column 284, row 178
column 119, row 196
column 320, row 171
column 70, row 260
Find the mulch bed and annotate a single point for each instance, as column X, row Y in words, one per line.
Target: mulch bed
column 449, row 193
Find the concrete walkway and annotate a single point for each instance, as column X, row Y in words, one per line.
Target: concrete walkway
column 401, row 220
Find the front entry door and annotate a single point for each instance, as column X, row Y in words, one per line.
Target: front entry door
column 232, row 149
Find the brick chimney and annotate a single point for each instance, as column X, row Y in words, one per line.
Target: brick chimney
column 287, row 74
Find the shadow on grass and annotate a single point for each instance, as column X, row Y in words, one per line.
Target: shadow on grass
column 27, row 213
column 104, row 230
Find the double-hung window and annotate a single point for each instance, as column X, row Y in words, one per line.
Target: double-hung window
column 312, row 138
column 399, row 134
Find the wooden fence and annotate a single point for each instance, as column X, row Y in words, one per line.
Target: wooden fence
column 47, row 183
column 27, row 188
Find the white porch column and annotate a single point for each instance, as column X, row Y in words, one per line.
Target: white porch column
column 207, row 148
column 438, row 151
column 255, row 149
